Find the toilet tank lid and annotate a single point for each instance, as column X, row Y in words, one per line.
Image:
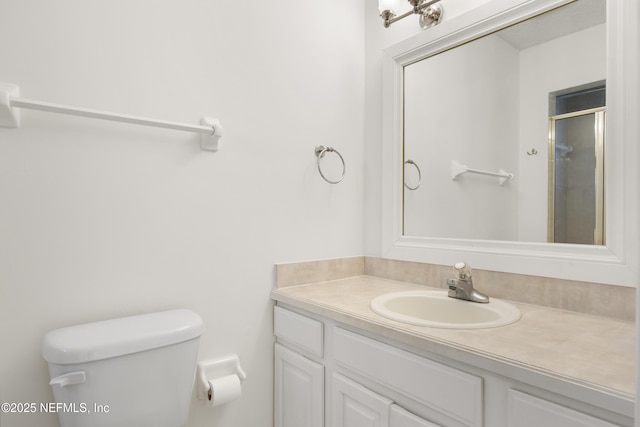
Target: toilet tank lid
column 117, row 337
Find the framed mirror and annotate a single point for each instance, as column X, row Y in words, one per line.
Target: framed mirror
column 496, row 146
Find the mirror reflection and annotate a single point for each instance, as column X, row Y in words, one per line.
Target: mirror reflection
column 504, row 136
column 576, row 167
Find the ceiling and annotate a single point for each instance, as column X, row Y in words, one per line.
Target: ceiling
column 573, row 17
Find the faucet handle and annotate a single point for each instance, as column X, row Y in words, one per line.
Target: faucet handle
column 462, row 270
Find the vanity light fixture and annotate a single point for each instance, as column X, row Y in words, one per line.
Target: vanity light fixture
column 430, row 12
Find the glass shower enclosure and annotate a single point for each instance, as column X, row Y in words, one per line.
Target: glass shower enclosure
column 576, row 172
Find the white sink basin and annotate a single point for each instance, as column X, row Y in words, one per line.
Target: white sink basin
column 437, row 310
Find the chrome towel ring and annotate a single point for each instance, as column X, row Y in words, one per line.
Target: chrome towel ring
column 320, row 152
column 411, row 162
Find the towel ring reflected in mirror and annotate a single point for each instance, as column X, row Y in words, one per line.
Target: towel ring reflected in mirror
column 411, row 162
column 320, row 151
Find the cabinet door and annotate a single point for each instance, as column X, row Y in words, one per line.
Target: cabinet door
column 528, row 411
column 299, row 390
column 355, row 406
column 402, row 418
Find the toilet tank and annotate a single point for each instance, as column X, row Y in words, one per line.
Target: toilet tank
column 131, row 371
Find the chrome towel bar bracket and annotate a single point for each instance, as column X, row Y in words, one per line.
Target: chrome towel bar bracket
column 320, row 152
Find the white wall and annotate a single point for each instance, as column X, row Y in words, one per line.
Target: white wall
column 101, row 219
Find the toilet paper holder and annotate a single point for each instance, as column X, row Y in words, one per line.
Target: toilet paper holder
column 216, row 368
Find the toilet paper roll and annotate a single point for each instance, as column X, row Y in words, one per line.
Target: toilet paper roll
column 224, row 390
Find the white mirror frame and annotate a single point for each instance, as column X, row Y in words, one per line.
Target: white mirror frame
column 616, row 263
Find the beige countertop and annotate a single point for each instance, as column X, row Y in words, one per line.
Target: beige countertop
column 597, row 352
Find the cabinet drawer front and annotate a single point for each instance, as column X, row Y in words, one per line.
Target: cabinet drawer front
column 454, row 393
column 528, row 411
column 299, row 330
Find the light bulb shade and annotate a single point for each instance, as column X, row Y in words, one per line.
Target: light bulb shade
column 391, row 5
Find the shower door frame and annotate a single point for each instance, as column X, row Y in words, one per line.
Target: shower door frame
column 599, row 131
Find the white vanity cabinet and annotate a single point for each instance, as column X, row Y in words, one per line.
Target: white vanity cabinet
column 298, row 380
column 312, row 386
column 332, row 375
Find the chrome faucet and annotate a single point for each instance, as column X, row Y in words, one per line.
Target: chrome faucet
column 462, row 287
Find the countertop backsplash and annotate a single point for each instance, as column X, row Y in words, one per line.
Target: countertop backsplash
column 617, row 302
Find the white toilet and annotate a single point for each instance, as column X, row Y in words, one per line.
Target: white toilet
column 134, row 371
